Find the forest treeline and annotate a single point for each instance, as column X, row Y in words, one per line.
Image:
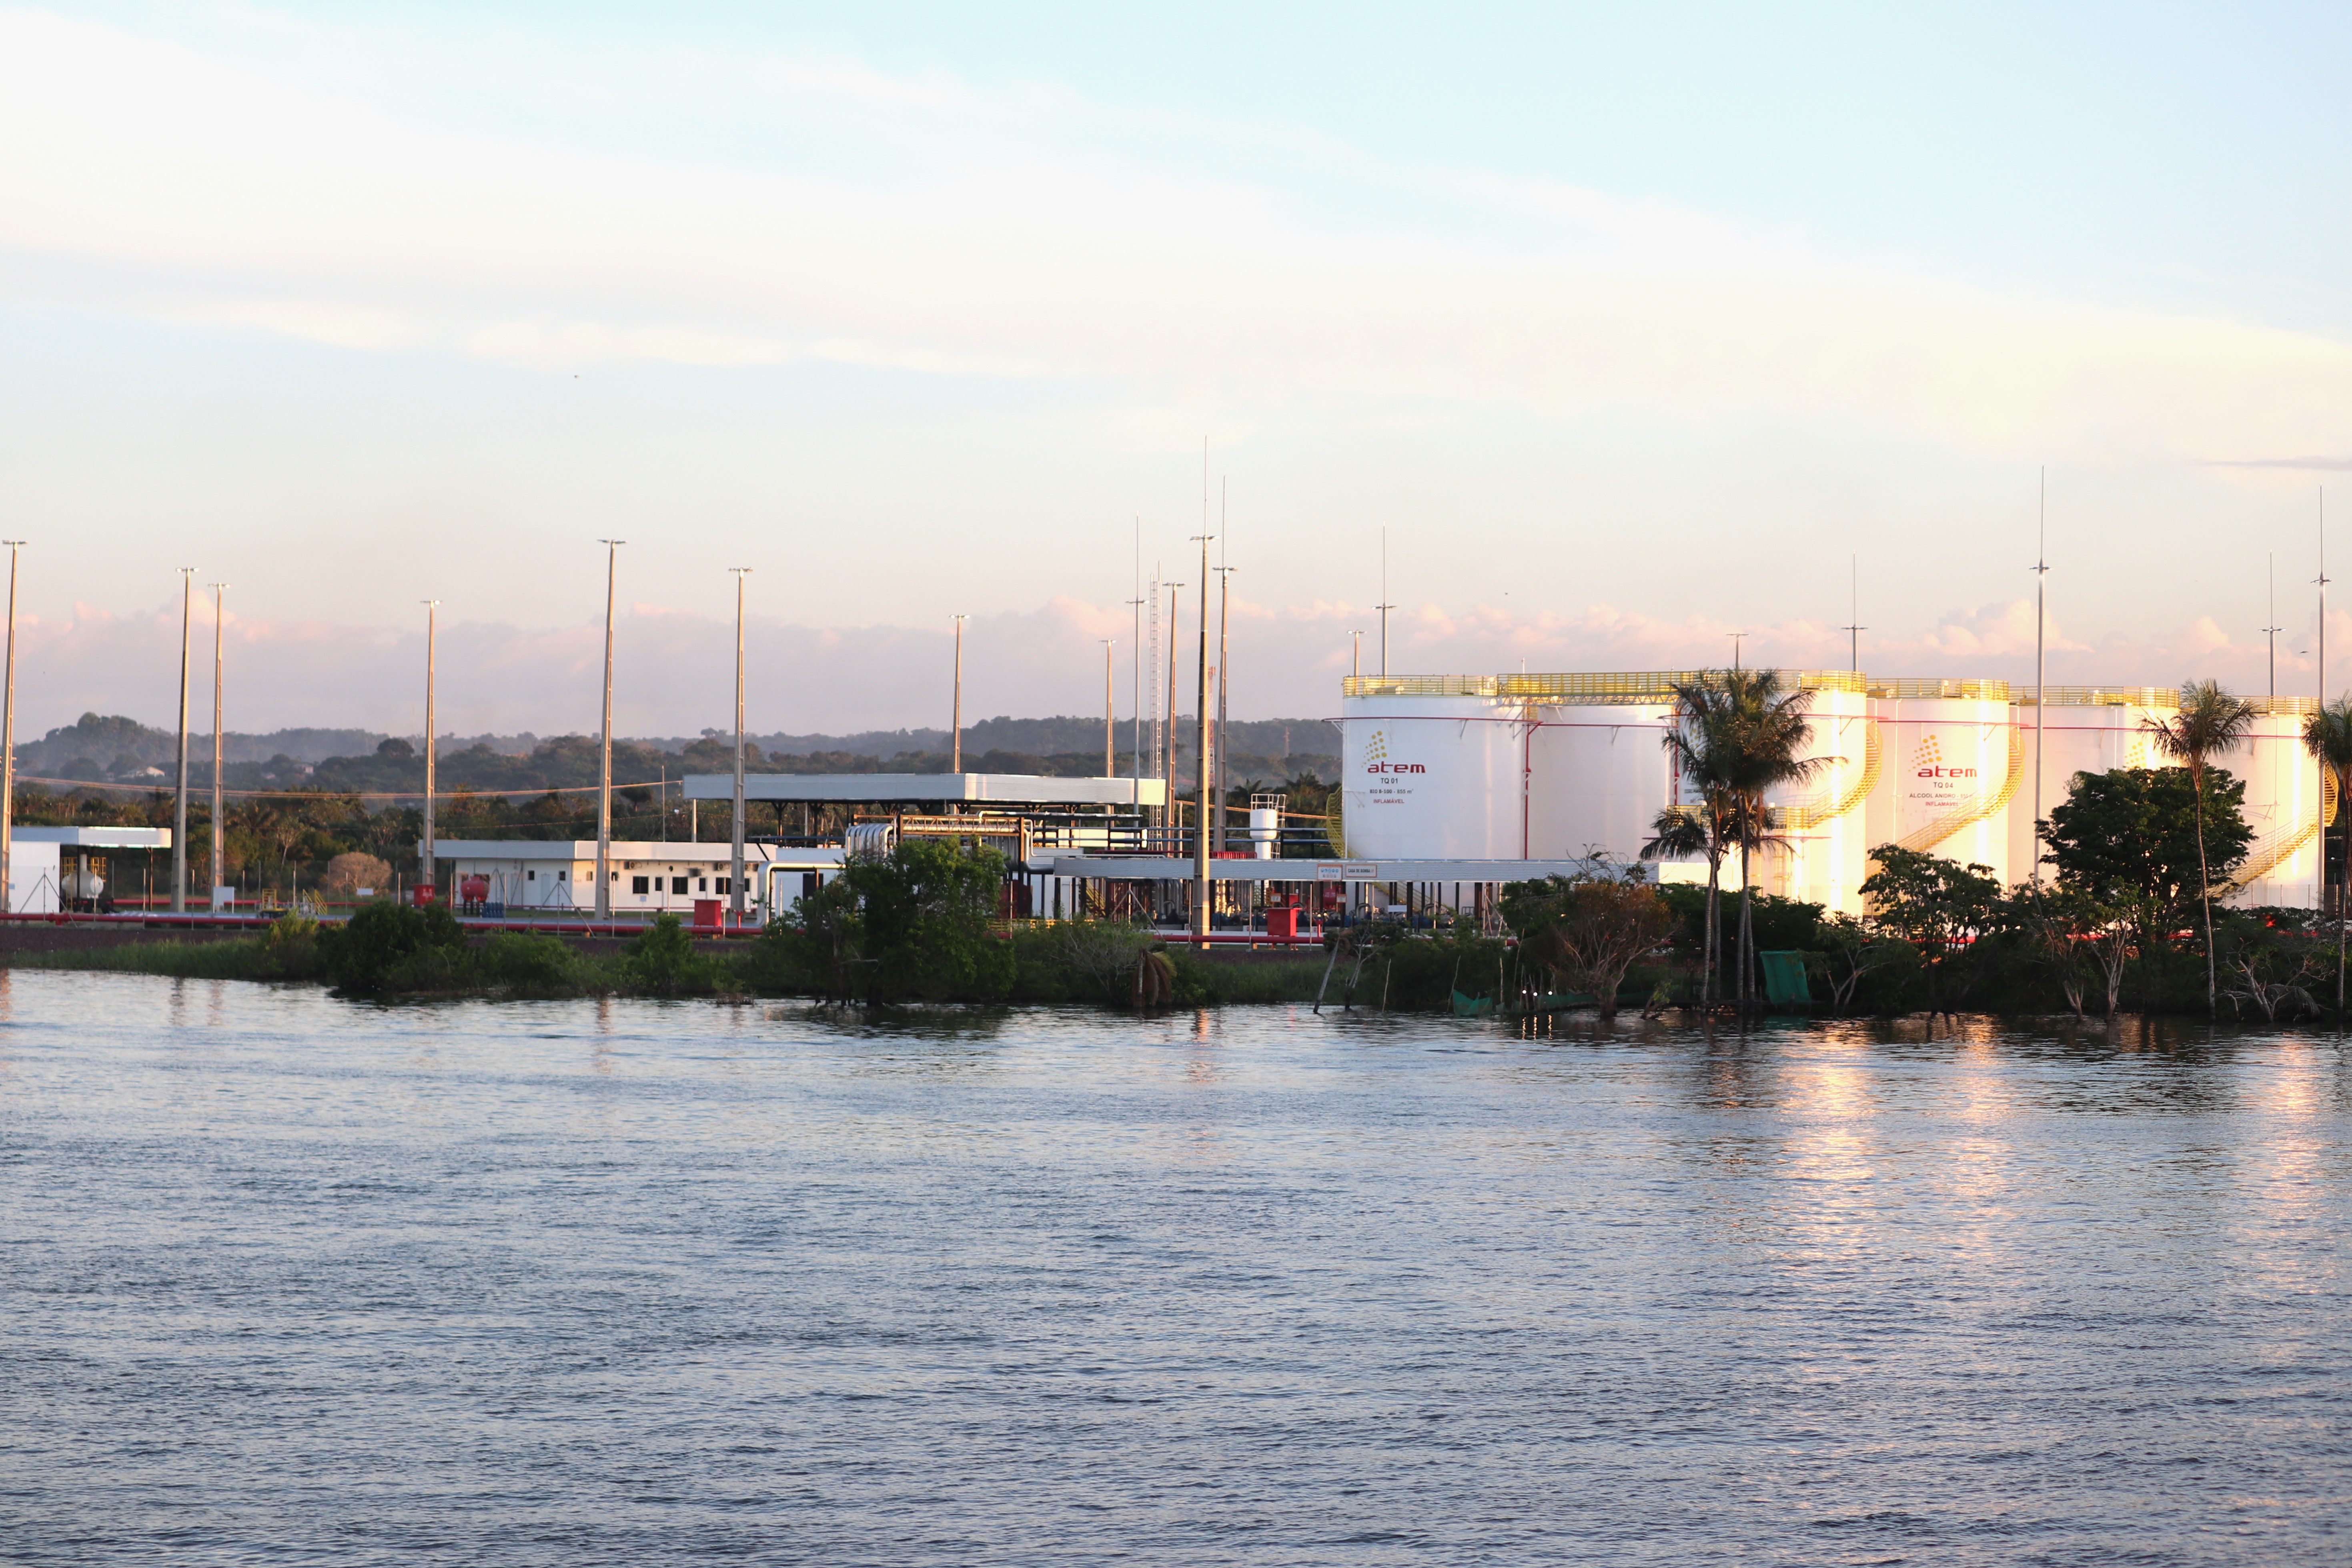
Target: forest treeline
column 113, row 749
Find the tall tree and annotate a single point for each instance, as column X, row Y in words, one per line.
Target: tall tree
column 1679, row 833
column 2328, row 737
column 1736, row 735
column 2209, row 724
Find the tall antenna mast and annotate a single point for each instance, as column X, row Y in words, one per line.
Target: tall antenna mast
column 1135, row 685
column 1384, row 607
column 2323, row 765
column 2273, row 631
column 2040, row 624
column 1853, row 632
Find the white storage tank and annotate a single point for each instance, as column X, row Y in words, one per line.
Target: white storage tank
column 1429, row 769
column 1952, row 765
column 2085, row 729
column 1824, row 822
column 2282, row 805
column 1598, row 772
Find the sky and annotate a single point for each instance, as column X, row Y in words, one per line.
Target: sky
column 1612, row 331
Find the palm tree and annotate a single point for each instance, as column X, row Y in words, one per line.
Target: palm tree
column 1678, row 833
column 2327, row 736
column 2209, row 724
column 1736, row 735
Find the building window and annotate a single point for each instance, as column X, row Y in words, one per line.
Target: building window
column 677, row 884
column 702, row 884
column 530, row 876
column 724, row 886
column 637, row 885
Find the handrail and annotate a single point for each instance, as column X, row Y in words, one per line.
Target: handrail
column 1579, row 689
column 2281, row 845
column 1813, row 813
column 1903, row 686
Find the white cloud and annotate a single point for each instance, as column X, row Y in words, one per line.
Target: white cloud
column 144, row 176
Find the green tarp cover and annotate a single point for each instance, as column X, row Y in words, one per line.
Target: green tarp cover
column 1784, row 977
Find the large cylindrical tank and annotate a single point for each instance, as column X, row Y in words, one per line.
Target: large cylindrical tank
column 1598, row 775
column 1823, row 822
column 1428, row 768
column 2282, row 805
column 83, row 883
column 2085, row 729
column 1952, row 762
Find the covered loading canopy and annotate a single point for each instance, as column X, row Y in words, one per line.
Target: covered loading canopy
column 993, row 789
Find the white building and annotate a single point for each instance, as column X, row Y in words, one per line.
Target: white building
column 42, row 860
column 530, row 876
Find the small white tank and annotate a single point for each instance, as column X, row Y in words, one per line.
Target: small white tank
column 83, row 883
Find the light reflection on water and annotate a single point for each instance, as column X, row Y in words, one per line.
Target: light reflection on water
column 288, row 1279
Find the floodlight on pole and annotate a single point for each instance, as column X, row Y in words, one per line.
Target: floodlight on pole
column 955, row 727
column 8, row 745
column 2040, row 668
column 180, row 787
column 1172, row 812
column 735, row 853
column 1201, row 759
column 219, row 823
column 604, row 905
column 1111, row 769
column 1853, row 607
column 429, row 859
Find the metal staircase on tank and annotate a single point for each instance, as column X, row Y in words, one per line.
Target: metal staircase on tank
column 2269, row 854
column 1951, row 822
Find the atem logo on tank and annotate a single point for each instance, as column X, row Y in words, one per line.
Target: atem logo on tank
column 1927, row 763
column 1376, row 757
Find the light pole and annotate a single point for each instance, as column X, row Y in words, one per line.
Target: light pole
column 1111, row 769
column 1201, row 763
column 1356, row 665
column 1135, row 684
column 180, row 789
column 955, row 722
column 1172, row 816
column 603, row 906
column 2273, row 630
column 1224, row 686
column 1853, row 632
column 8, row 743
column 2041, row 689
column 428, row 860
column 735, row 856
column 220, row 824
column 1384, row 606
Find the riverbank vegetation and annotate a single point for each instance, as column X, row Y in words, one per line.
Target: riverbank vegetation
column 2129, row 914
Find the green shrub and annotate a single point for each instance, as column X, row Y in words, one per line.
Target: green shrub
column 529, row 961
column 393, row 946
column 662, row 961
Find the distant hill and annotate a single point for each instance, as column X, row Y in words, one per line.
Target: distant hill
column 113, row 749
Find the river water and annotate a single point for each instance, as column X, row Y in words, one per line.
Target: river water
column 292, row 1281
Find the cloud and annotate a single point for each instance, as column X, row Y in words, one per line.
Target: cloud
column 2322, row 463
column 1025, row 233
column 675, row 669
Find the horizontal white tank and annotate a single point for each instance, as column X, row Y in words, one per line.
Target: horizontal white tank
column 1431, row 777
